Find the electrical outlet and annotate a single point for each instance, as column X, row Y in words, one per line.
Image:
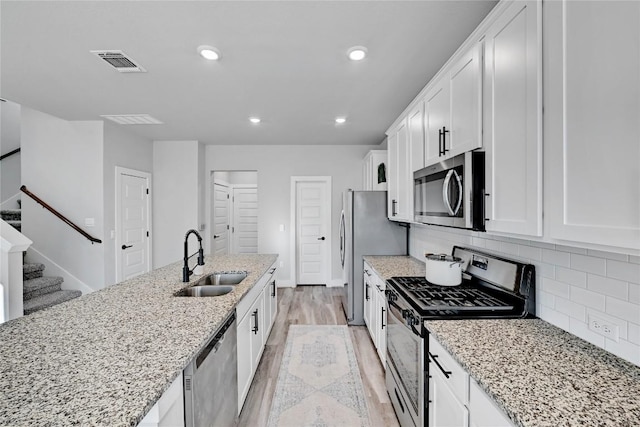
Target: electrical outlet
column 604, row 327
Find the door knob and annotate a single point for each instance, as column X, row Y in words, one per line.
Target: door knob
column 125, row 246
column 321, row 238
column 215, row 236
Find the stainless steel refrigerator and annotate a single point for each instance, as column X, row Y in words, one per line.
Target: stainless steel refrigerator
column 365, row 230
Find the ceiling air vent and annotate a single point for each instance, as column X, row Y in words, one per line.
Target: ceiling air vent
column 119, row 60
column 132, row 119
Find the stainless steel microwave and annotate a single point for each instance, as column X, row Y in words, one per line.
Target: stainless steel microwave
column 451, row 193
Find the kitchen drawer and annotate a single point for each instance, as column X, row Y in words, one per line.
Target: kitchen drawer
column 456, row 377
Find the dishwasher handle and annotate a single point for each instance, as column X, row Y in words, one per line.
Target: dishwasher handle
column 216, row 341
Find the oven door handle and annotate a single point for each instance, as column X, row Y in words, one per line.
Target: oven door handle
column 445, row 192
column 434, row 357
column 414, row 330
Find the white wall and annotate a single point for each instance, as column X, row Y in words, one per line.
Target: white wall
column 62, row 164
column 9, row 141
column 275, row 166
column 571, row 283
column 176, row 190
column 126, row 150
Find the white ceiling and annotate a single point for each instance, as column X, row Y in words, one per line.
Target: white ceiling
column 284, row 61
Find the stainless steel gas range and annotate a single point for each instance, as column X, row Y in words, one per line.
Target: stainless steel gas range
column 492, row 287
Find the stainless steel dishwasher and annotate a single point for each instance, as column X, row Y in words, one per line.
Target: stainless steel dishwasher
column 211, row 381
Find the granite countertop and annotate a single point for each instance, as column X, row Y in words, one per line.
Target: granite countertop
column 395, row 266
column 105, row 358
column 541, row 375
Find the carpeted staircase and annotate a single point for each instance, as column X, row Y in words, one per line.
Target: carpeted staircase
column 38, row 291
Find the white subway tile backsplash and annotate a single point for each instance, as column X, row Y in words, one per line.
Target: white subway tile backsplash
column 587, row 298
column 582, row 330
column 589, row 264
column 545, row 270
column 634, row 294
column 556, row 288
column 571, row 249
column 608, row 286
column 511, row 249
column 542, row 245
column 562, row 259
column 623, row 349
column 623, row 309
column 546, row 299
column 571, row 309
column 554, row 317
column 608, row 255
column 571, row 282
column 623, row 271
column 479, row 242
column 572, row 277
column 633, row 335
column 493, row 245
column 530, row 252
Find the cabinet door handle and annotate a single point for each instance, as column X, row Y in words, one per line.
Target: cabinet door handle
column 255, row 317
column 366, row 293
column 393, row 207
column 273, row 289
column 440, row 153
column 444, row 133
column 399, row 399
column 126, row 246
column 382, row 318
column 321, row 238
column 434, row 357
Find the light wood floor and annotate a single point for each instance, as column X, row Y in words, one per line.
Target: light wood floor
column 315, row 305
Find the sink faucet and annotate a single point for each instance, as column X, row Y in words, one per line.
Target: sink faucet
column 185, row 270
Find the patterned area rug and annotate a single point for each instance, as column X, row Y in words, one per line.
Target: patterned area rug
column 319, row 382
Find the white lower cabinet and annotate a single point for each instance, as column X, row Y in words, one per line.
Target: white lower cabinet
column 254, row 325
column 455, row 399
column 484, row 412
column 169, row 409
column 375, row 311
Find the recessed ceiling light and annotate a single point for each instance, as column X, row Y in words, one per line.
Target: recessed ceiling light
column 357, row 53
column 340, row 120
column 254, row 120
column 209, row 52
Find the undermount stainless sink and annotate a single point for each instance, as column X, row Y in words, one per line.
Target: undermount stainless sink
column 205, row 291
column 222, row 278
column 213, row 285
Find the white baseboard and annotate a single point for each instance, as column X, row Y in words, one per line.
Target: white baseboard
column 11, row 202
column 71, row 282
column 285, row 284
column 335, row 283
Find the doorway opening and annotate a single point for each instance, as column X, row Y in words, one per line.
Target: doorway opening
column 234, row 212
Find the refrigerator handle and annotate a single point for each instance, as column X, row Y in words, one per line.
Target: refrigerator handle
column 342, row 238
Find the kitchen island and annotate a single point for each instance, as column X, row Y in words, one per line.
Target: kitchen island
column 105, row 358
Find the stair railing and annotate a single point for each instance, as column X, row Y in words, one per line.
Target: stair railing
column 10, row 153
column 59, row 215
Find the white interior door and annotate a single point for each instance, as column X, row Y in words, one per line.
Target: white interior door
column 244, row 226
column 313, row 207
column 133, row 248
column 221, row 222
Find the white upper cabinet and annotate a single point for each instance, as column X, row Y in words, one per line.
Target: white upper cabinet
column 513, row 120
column 592, row 122
column 400, row 195
column 416, row 138
column 437, row 118
column 453, row 111
column 372, row 166
column 465, row 85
